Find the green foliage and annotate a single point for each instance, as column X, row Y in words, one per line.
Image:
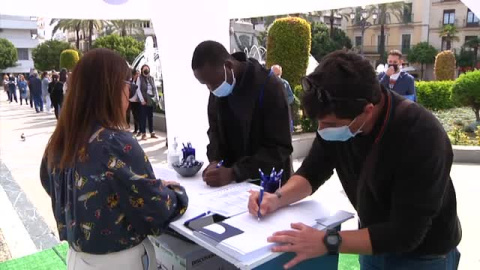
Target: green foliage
column 465, row 59
column 46, row 56
column 323, row 43
column 449, row 33
column 422, row 53
column 299, row 118
column 8, row 54
column 435, row 95
column 127, row 47
column 289, row 41
column 466, row 91
column 445, row 66
column 458, row 137
column 68, row 59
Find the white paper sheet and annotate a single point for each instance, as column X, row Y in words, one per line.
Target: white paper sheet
column 230, row 200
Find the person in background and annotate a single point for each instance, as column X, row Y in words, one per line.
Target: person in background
column 397, row 80
column 23, row 89
column 105, row 196
column 35, row 85
column 135, row 106
column 12, row 88
column 55, row 88
column 148, row 96
column 277, row 70
column 5, row 86
column 393, row 159
column 45, row 95
column 248, row 116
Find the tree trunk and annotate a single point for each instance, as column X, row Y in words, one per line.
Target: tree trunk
column 449, row 45
column 421, row 71
column 363, row 35
column 332, row 21
column 77, row 40
column 90, row 34
column 475, row 52
column 477, row 113
column 381, row 47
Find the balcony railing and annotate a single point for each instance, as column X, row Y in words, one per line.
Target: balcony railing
column 376, row 49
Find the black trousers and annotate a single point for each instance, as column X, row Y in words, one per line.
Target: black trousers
column 56, row 107
column 135, row 109
column 146, row 114
column 31, row 99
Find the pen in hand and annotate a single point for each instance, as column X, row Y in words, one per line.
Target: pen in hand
column 260, row 198
column 220, row 164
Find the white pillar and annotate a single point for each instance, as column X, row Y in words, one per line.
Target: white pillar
column 180, row 25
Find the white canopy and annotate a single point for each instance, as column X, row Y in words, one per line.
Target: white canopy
column 179, row 26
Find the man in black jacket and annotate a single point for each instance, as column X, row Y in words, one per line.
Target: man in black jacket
column 393, row 159
column 247, row 113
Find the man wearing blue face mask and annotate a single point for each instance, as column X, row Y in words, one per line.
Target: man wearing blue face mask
column 393, row 158
column 248, row 116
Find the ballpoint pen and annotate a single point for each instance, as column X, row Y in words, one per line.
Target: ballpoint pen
column 260, row 198
column 262, row 176
column 272, row 175
column 197, row 217
column 220, row 164
column 279, row 178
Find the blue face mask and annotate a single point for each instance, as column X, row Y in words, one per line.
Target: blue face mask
column 225, row 89
column 340, row 134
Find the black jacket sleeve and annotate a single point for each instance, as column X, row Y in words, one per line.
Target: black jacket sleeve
column 421, row 178
column 318, row 165
column 213, row 148
column 276, row 145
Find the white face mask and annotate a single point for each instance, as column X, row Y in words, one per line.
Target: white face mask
column 225, row 89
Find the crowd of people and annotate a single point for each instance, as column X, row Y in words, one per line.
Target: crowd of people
column 391, row 155
column 44, row 92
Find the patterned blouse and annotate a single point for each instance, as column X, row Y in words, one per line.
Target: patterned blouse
column 110, row 200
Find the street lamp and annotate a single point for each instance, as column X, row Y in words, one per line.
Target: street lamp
column 375, row 14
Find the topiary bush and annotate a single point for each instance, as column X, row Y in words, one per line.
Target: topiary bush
column 445, row 66
column 289, row 41
column 466, row 91
column 68, row 59
column 435, row 95
column 300, row 119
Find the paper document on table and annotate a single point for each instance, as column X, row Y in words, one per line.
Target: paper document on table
column 231, row 200
column 165, row 174
column 252, row 243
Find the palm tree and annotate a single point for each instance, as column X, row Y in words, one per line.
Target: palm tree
column 68, row 25
column 385, row 12
column 93, row 24
column 127, row 27
column 335, row 13
column 449, row 33
column 473, row 43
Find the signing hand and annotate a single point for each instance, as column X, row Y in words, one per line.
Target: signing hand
column 270, row 203
column 210, row 166
column 217, row 177
column 305, row 241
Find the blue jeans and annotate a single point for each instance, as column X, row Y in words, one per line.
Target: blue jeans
column 410, row 262
column 37, row 99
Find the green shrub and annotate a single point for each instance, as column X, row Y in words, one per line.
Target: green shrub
column 435, row 95
column 466, row 91
column 289, row 41
column 299, row 118
column 445, row 66
column 68, row 59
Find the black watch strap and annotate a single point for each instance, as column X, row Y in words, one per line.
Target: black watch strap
column 332, row 241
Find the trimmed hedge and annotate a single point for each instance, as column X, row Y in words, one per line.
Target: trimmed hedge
column 435, row 95
column 466, row 91
column 445, row 65
column 68, row 59
column 289, row 41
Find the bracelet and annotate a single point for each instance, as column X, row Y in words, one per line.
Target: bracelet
column 279, row 194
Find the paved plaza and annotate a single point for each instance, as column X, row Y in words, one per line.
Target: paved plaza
column 28, row 225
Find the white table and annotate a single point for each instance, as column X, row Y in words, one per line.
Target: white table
column 195, row 187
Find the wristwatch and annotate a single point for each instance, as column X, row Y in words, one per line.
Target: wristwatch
column 332, row 241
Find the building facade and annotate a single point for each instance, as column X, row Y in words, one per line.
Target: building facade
column 22, row 32
column 452, row 12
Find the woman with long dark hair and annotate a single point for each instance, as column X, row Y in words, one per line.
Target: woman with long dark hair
column 105, row 196
column 148, row 96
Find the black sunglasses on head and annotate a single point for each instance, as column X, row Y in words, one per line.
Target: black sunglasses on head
column 322, row 95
